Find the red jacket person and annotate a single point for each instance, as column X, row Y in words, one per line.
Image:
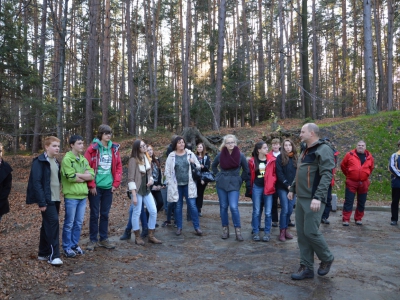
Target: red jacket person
column 357, row 166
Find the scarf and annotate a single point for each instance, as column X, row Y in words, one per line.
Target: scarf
column 143, row 167
column 229, row 160
column 290, row 154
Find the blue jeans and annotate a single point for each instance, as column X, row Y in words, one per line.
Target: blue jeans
column 286, row 208
column 171, row 206
column 183, row 191
column 138, row 209
column 268, row 213
column 258, row 198
column 100, row 205
column 74, row 215
column 143, row 218
column 230, row 199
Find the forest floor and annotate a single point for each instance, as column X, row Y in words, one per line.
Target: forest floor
column 188, row 266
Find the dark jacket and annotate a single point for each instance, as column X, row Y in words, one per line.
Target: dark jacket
column 205, row 161
column 285, row 174
column 394, row 168
column 5, row 187
column 314, row 172
column 231, row 180
column 39, row 190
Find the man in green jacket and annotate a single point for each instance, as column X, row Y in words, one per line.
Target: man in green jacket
column 75, row 172
column 313, row 177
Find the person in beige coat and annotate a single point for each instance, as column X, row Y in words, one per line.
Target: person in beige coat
column 139, row 182
column 178, row 173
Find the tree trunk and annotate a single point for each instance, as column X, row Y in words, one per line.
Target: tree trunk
column 60, row 88
column 39, row 93
column 282, row 62
column 105, row 85
column 185, row 67
column 304, row 60
column 369, row 60
column 220, row 61
column 90, row 78
column 389, row 74
column 344, row 60
column 381, row 104
column 315, row 63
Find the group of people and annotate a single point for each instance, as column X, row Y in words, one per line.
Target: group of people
column 94, row 174
column 304, row 179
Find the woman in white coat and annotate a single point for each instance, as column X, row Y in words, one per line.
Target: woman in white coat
column 180, row 183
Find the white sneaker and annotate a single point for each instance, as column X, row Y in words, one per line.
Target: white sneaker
column 56, row 262
column 43, row 258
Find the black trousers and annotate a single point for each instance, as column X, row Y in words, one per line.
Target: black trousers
column 49, row 244
column 395, row 204
column 328, row 206
column 200, row 195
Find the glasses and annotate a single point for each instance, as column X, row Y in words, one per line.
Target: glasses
column 108, row 133
column 143, row 146
column 230, row 143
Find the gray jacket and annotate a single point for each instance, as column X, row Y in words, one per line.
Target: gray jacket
column 231, row 180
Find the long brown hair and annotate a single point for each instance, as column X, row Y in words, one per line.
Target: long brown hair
column 285, row 156
column 204, row 150
column 136, row 154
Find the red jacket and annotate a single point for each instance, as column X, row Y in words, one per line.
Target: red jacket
column 92, row 154
column 352, row 169
column 269, row 176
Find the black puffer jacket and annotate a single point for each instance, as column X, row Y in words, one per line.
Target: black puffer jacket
column 285, row 174
column 5, row 187
column 39, row 190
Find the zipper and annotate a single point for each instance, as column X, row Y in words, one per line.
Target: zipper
column 308, row 176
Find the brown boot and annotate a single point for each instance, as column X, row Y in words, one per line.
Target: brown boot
column 288, row 235
column 282, row 235
column 225, row 232
column 138, row 239
column 238, row 234
column 152, row 238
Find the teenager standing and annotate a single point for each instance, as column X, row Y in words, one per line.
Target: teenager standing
column 104, row 157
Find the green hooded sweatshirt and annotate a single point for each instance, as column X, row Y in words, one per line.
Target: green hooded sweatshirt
column 104, row 178
column 69, row 167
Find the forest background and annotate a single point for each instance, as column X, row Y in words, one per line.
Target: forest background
column 67, row 66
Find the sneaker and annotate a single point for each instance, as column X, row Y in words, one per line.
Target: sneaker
column 78, row 250
column 303, row 273
column 200, row 214
column 274, row 224
column 394, row 223
column 43, row 258
column 345, row 223
column 266, row 238
column 256, row 237
column 325, row 221
column 91, row 245
column 55, row 262
column 291, row 224
column 166, row 223
column 324, row 267
column 359, row 223
column 106, row 244
column 69, row 253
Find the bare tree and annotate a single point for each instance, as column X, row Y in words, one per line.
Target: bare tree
column 220, row 60
column 369, row 59
column 389, row 74
column 90, row 77
column 105, row 80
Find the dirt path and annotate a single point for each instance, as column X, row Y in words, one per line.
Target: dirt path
column 191, row 267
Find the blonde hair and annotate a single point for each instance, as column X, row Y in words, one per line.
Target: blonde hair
column 276, row 141
column 228, row 136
